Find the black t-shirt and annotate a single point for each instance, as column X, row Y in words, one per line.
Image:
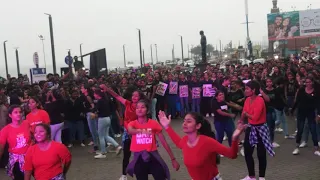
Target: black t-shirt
column 279, row 102
column 234, row 97
column 292, row 88
column 272, row 95
column 219, row 105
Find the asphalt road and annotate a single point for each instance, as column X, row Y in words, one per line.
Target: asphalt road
column 284, row 166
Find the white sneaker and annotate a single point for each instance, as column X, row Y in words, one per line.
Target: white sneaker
column 83, row 145
column 303, row 144
column 319, row 143
column 212, row 115
column 91, row 143
column 119, row 149
column 317, row 153
column 221, row 156
column 296, row 151
column 262, row 178
column 207, row 115
column 123, row 177
column 70, row 145
column 290, row 137
column 225, row 138
column 278, row 130
column 98, row 152
column 242, row 152
column 275, row 145
column 100, row 156
column 248, row 178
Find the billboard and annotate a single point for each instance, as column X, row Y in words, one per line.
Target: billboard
column 295, row 24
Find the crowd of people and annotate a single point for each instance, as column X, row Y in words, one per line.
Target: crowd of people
column 43, row 119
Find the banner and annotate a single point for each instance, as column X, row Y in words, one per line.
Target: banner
column 173, row 87
column 184, row 91
column 161, row 88
column 38, row 74
column 283, row 26
column 208, row 91
column 294, row 24
column 196, row 92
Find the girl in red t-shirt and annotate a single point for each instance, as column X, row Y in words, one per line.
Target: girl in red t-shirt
column 146, row 159
column 17, row 136
column 37, row 115
column 47, row 159
column 129, row 115
column 199, row 148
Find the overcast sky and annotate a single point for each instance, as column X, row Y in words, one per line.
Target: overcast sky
column 110, row 24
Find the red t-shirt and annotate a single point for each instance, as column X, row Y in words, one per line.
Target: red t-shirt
column 129, row 113
column 145, row 142
column 46, row 164
column 18, row 138
column 37, row 118
column 200, row 160
column 256, row 109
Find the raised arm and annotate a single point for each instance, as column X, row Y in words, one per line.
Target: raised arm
column 117, row 96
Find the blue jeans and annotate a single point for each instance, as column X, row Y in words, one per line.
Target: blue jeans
column 301, row 118
column 75, row 127
column 271, row 122
column 306, row 131
column 196, row 105
column 224, row 127
column 184, row 105
column 93, row 127
column 281, row 118
column 104, row 124
column 153, row 108
column 172, row 103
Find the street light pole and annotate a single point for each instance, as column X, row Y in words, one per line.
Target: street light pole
column 124, row 55
column 81, row 53
column 156, row 52
column 52, row 44
column 17, row 59
column 5, row 57
column 144, row 62
column 151, row 54
column 44, row 54
column 181, row 48
column 140, row 50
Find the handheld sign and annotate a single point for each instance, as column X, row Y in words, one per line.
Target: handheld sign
column 161, row 88
column 183, row 91
column 173, row 87
column 196, row 92
column 68, row 60
column 208, row 91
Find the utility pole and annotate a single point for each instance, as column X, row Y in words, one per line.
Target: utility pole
column 220, row 54
column 151, row 54
column 5, row 58
column 43, row 50
column 173, row 58
column 143, row 57
column 17, row 59
column 181, row 48
column 188, row 52
column 156, row 52
column 52, row 44
column 124, row 55
column 140, row 50
column 81, row 53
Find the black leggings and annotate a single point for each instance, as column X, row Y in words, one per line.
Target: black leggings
column 142, row 169
column 205, row 106
column 126, row 155
column 261, row 153
column 18, row 175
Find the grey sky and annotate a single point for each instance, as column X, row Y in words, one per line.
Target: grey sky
column 110, row 24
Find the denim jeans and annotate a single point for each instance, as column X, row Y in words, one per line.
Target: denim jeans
column 75, row 127
column 104, row 124
column 56, row 130
column 271, row 122
column 93, row 127
column 115, row 124
column 224, row 126
column 196, row 105
column 172, row 103
column 306, row 131
column 301, row 118
column 281, row 118
column 153, row 108
column 184, row 103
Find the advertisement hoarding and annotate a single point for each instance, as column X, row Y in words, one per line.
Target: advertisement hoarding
column 295, row 24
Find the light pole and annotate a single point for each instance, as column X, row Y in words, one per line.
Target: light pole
column 156, row 52
column 181, row 48
column 44, row 53
column 5, row 57
column 124, row 55
column 151, row 54
column 52, row 44
column 17, row 59
column 140, row 50
column 81, row 53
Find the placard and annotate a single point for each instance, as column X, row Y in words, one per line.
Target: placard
column 196, row 92
column 208, row 91
column 183, row 91
column 161, row 88
column 246, row 81
column 173, row 87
